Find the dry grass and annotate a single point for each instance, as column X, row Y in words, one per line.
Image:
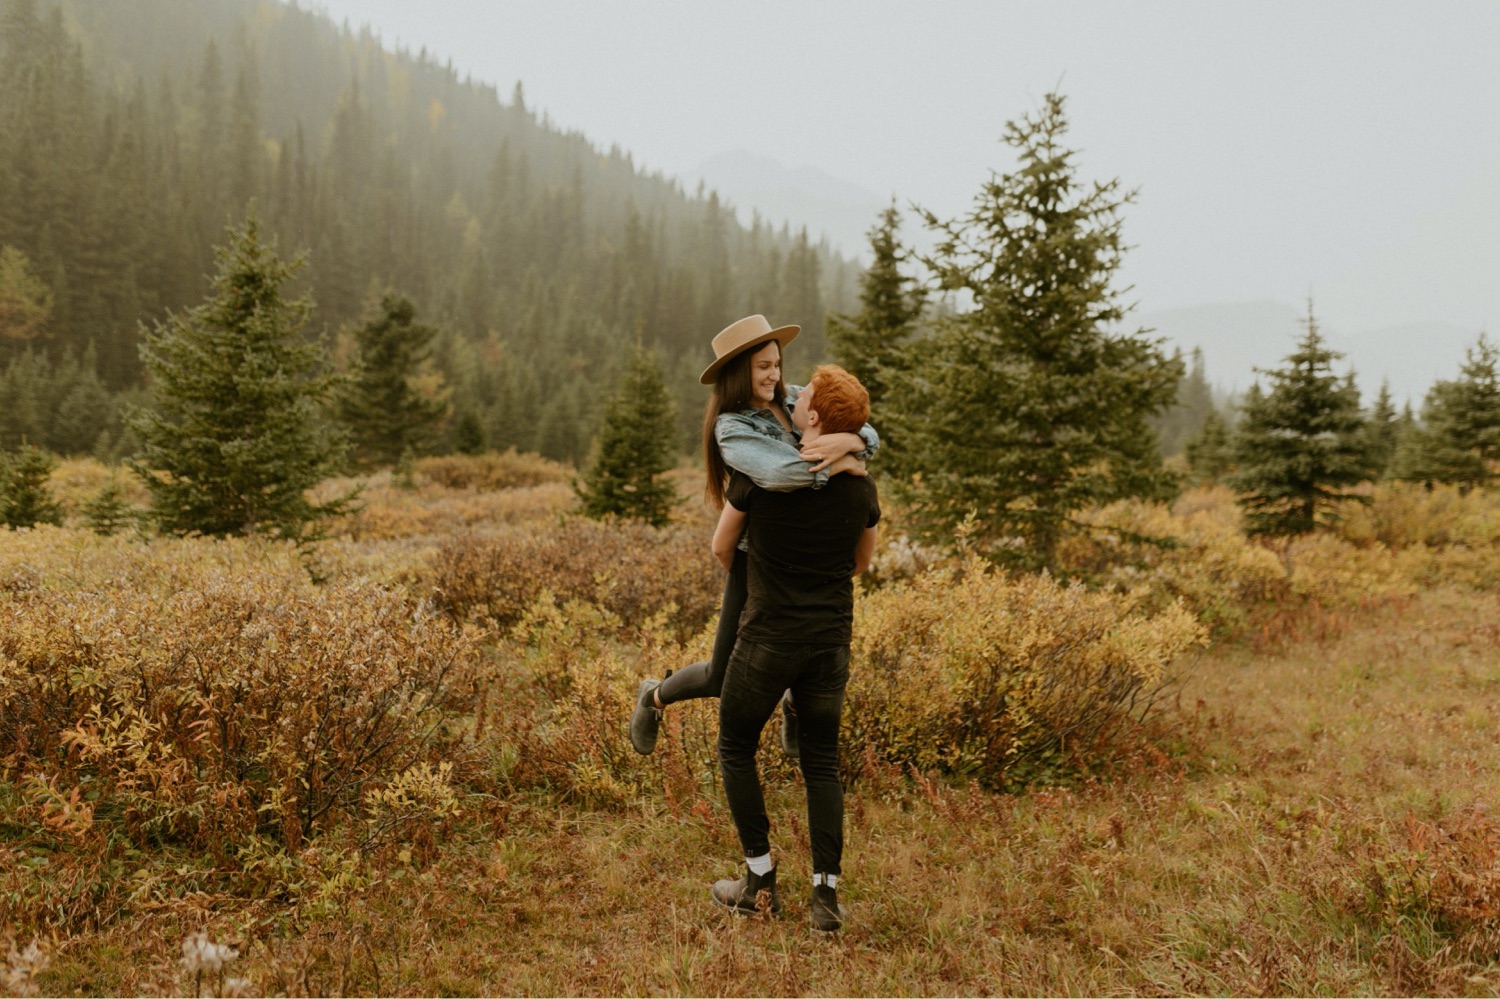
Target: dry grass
column 1310, row 815
column 1285, row 832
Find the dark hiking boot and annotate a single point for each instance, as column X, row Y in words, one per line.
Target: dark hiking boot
column 749, row 895
column 827, row 914
column 789, row 743
column 645, row 721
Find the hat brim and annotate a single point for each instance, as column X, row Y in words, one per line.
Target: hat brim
column 782, row 334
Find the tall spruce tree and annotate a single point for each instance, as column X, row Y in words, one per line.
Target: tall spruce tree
column 870, row 343
column 1301, row 445
column 1033, row 404
column 382, row 401
column 233, row 437
column 1458, row 439
column 636, row 444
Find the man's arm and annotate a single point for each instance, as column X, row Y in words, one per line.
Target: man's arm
column 864, row 551
column 727, row 534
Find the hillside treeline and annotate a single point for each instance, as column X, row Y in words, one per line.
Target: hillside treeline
column 132, row 133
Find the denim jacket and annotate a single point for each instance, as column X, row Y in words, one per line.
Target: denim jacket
column 755, row 442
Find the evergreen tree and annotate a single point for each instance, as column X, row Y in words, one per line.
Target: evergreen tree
column 1301, row 445
column 25, row 301
column 232, row 439
column 1459, row 439
column 869, row 344
column 25, row 498
column 108, row 511
column 635, row 446
column 1195, row 401
column 1209, row 453
column 1381, row 430
column 1409, row 459
column 468, row 433
column 382, row 400
column 1032, row 405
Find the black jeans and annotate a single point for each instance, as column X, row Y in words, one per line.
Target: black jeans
column 706, row 679
column 757, row 675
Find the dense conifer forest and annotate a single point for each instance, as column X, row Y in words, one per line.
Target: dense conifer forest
column 133, row 133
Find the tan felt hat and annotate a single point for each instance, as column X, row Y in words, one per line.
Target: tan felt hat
column 740, row 336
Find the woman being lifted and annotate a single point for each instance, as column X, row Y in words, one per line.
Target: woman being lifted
column 748, row 426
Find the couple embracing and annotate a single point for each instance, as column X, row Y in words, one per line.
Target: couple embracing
column 798, row 522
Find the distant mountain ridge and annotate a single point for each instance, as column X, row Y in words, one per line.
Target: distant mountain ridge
column 1238, row 337
column 830, row 207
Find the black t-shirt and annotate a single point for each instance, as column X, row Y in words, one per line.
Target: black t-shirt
column 800, row 589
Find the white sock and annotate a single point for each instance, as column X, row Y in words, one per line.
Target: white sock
column 761, row 866
column 831, row 880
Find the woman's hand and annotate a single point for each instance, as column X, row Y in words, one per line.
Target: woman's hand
column 847, row 464
column 828, row 448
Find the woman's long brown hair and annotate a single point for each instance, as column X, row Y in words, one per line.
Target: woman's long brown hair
column 732, row 392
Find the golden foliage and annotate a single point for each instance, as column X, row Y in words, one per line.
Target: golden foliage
column 628, row 569
column 975, row 672
column 492, row 471
column 204, row 690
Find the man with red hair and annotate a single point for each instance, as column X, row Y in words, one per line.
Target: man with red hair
column 806, row 547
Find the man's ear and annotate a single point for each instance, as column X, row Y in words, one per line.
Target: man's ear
column 812, row 418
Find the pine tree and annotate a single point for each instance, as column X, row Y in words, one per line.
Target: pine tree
column 1301, row 445
column 1185, row 420
column 635, row 446
column 383, row 401
column 869, row 343
column 1459, row 439
column 108, row 511
column 25, row 498
column 1209, row 453
column 25, row 301
column 1031, row 405
column 1381, row 430
column 232, row 439
column 468, row 433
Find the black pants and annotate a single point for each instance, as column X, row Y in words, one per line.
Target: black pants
column 752, row 686
column 707, row 679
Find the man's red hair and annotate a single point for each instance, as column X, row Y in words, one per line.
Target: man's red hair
column 841, row 402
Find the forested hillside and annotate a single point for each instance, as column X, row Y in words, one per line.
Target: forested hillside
column 132, row 132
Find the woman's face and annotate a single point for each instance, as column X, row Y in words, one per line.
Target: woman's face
column 765, row 374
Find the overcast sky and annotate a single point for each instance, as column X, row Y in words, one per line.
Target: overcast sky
column 1347, row 150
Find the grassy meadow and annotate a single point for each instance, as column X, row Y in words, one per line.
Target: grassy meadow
column 397, row 764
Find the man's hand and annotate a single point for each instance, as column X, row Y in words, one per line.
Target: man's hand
column 828, row 448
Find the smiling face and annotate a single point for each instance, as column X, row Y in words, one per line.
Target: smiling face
column 765, row 374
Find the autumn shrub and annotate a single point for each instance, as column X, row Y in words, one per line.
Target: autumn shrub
column 1451, row 535
column 974, row 672
column 577, row 666
column 1197, row 554
column 629, row 569
column 491, row 471
column 1401, row 514
column 1436, row 886
column 204, row 691
column 76, row 481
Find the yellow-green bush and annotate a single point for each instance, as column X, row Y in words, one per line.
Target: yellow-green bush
column 629, row 569
column 491, row 471
column 200, row 691
column 976, row 672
